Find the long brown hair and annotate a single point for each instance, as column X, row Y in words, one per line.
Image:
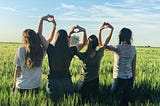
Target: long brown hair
column 125, row 35
column 92, row 44
column 34, row 51
column 61, row 49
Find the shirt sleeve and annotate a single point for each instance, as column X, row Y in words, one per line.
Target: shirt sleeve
column 50, row 48
column 134, row 50
column 17, row 58
column 80, row 55
column 74, row 50
column 112, row 48
column 101, row 52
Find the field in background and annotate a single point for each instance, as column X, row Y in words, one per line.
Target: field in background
column 146, row 89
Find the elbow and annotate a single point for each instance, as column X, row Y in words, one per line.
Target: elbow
column 49, row 40
column 85, row 43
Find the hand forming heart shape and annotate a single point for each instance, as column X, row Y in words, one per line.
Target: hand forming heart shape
column 50, row 18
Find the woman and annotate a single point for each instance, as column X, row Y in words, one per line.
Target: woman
column 59, row 56
column 28, row 61
column 124, row 66
column 91, row 62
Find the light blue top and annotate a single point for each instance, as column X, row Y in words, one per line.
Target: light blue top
column 123, row 57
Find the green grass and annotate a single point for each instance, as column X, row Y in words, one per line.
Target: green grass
column 146, row 89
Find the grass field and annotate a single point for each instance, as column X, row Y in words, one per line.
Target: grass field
column 146, row 89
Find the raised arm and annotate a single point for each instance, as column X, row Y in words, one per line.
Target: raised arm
column 53, row 28
column 103, row 26
column 40, row 25
column 69, row 35
column 40, row 29
column 99, row 35
column 84, row 36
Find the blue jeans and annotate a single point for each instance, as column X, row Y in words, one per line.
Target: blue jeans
column 122, row 88
column 57, row 87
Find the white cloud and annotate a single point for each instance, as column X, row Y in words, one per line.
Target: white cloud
column 34, row 9
column 12, row 9
column 67, row 6
column 121, row 16
column 70, row 13
column 156, row 7
column 141, row 18
column 132, row 1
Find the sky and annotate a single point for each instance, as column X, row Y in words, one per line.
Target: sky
column 141, row 16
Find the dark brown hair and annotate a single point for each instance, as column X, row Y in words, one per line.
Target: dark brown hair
column 93, row 43
column 34, row 51
column 61, row 49
column 125, row 35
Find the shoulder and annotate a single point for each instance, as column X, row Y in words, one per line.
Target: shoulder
column 133, row 48
column 21, row 49
column 114, row 48
column 20, row 53
column 50, row 48
column 101, row 50
column 81, row 55
column 73, row 49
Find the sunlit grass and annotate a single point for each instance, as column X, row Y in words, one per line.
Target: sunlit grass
column 145, row 93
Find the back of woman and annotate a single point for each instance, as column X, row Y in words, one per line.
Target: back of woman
column 60, row 55
column 28, row 75
column 28, row 61
column 123, row 57
column 124, row 66
column 91, row 64
column 59, row 60
column 89, row 79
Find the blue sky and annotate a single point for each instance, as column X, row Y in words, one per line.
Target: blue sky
column 141, row 16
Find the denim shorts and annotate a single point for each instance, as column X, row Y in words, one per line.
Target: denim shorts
column 27, row 91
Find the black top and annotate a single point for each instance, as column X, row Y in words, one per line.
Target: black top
column 60, row 68
column 91, row 65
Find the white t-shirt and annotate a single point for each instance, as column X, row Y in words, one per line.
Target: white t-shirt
column 123, row 57
column 29, row 78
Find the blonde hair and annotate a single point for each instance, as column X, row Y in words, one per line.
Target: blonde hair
column 34, row 51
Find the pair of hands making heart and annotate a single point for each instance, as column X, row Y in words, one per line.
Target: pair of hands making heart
column 49, row 18
column 76, row 29
column 106, row 25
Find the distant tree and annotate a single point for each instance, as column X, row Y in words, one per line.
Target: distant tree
column 148, row 46
column 74, row 40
